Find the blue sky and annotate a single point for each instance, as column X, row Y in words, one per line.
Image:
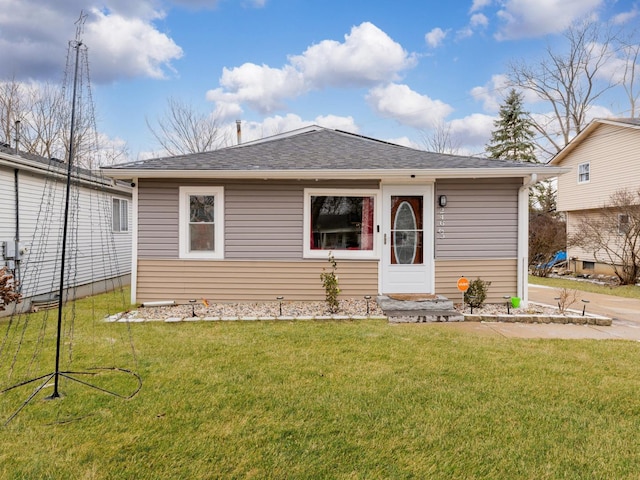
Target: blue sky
column 390, row 69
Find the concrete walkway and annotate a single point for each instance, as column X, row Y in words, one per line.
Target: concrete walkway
column 625, row 313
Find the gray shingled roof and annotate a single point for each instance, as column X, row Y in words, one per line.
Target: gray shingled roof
column 317, row 149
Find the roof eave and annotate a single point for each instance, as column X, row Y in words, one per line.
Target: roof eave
column 542, row 172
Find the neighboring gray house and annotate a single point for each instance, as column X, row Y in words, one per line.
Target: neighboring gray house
column 32, row 193
column 259, row 220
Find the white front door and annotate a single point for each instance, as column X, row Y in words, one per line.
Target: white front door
column 407, row 239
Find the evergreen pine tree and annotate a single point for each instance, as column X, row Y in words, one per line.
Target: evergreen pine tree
column 512, row 138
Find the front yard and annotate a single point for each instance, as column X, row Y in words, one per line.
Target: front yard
column 329, row 399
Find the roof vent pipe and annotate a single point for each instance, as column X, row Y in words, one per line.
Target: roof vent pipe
column 17, row 124
column 239, row 131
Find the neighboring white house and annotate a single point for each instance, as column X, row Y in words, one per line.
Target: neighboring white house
column 32, row 208
column 604, row 158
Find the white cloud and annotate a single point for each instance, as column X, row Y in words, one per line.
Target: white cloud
column 535, row 18
column 120, row 35
column 625, row 17
column 472, row 132
column 435, row 37
column 479, row 5
column 407, row 106
column 279, row 124
column 479, row 20
column 491, row 94
column 260, row 86
column 128, row 47
column 405, row 142
column 367, row 57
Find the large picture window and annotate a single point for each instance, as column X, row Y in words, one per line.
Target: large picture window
column 201, row 222
column 342, row 222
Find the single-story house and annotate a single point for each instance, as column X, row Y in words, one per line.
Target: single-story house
column 259, row 220
column 602, row 160
column 32, row 199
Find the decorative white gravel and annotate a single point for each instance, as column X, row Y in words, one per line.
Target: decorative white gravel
column 291, row 310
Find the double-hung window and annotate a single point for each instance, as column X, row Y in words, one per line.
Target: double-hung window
column 342, row 222
column 584, row 174
column 623, row 223
column 201, row 222
column 119, row 215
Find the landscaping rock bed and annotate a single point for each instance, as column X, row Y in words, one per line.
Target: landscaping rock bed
column 534, row 313
column 350, row 309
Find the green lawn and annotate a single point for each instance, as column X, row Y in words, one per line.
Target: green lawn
column 626, row 291
column 345, row 400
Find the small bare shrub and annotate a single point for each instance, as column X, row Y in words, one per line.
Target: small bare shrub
column 330, row 284
column 566, row 298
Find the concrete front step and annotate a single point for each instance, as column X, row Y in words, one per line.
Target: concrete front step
column 429, row 309
column 422, row 316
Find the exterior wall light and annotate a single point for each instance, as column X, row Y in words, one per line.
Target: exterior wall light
column 442, row 200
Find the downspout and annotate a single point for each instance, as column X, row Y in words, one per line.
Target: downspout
column 523, row 239
column 16, row 184
column 134, row 241
column 16, row 273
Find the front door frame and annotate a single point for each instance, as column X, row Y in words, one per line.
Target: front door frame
column 405, row 278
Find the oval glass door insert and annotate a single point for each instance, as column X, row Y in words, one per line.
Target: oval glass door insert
column 405, row 242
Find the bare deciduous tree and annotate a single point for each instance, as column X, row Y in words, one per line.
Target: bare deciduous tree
column 570, row 82
column 184, row 130
column 612, row 235
column 630, row 79
column 440, row 139
column 44, row 114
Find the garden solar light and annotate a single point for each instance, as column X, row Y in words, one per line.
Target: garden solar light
column 367, row 298
column 508, row 301
column 280, row 301
column 193, row 307
column 584, row 306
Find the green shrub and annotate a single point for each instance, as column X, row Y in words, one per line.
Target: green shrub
column 477, row 293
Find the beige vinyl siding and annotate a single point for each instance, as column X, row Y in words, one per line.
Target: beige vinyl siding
column 501, row 273
column 157, row 219
column 263, row 219
column 613, row 155
column 580, row 255
column 183, row 280
column 480, row 219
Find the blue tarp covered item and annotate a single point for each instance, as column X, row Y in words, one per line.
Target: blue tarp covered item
column 559, row 257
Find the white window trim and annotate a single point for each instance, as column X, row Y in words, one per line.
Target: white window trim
column 120, row 200
column 183, row 217
column 621, row 230
column 373, row 254
column 588, row 164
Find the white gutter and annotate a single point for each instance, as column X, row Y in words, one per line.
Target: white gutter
column 523, row 240
column 20, row 163
column 416, row 175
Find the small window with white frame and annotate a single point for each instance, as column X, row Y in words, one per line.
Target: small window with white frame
column 342, row 222
column 584, row 173
column 120, row 215
column 623, row 223
column 201, row 220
